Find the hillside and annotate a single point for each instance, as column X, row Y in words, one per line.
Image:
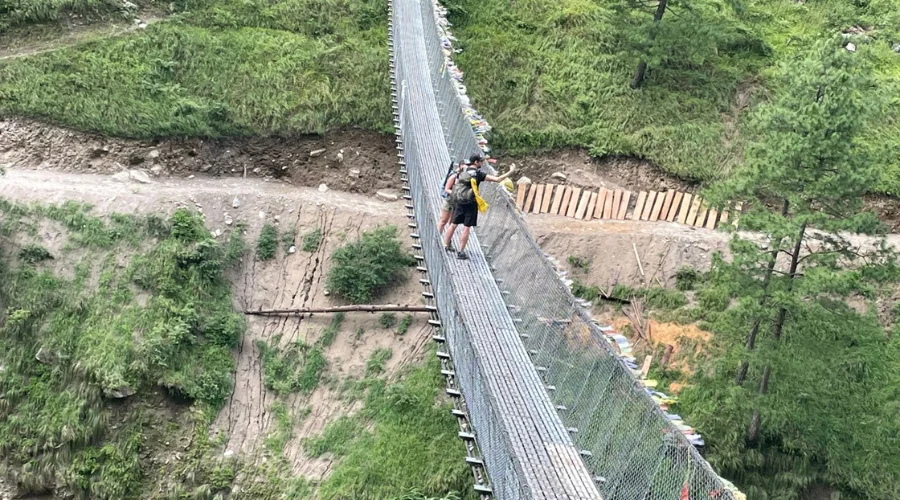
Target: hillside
column 129, row 372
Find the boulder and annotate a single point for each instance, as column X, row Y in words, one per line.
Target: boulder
column 523, row 180
column 323, row 188
column 387, row 195
column 558, row 175
column 317, row 152
column 153, row 154
column 120, row 392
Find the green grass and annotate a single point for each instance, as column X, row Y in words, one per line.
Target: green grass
column 57, row 425
column 549, row 74
column 297, row 367
column 287, row 239
column 404, row 325
column 267, row 243
column 364, row 268
column 401, row 441
column 387, row 320
column 312, row 239
column 26, row 12
column 217, row 68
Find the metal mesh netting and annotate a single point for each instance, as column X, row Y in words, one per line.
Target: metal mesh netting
column 523, row 442
column 627, row 442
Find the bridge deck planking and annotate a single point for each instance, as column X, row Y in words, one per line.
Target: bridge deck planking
column 535, row 431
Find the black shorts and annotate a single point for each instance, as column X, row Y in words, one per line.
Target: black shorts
column 466, row 214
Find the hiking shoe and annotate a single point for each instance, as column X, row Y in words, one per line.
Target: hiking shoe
column 449, row 247
column 462, row 256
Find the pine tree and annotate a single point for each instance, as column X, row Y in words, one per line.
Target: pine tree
column 804, row 179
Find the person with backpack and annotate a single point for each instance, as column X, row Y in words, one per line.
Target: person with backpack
column 465, row 199
column 446, row 190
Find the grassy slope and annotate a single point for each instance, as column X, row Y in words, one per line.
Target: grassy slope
column 216, row 68
column 552, row 73
column 147, row 307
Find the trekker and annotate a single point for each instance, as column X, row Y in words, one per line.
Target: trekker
column 465, row 210
column 449, row 181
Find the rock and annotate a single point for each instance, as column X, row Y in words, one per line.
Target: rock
column 523, row 180
column 388, row 195
column 293, row 249
column 339, row 157
column 205, row 168
column 896, row 48
column 217, row 233
column 120, row 392
column 121, row 176
column 128, row 5
column 235, row 203
column 142, row 25
column 45, row 356
column 256, row 170
column 139, row 176
column 317, row 152
column 262, row 215
column 323, row 188
column 191, row 176
column 228, row 454
column 153, row 154
column 228, row 220
column 851, row 47
column 277, row 218
column 156, row 170
column 558, row 175
column 326, row 293
column 354, row 173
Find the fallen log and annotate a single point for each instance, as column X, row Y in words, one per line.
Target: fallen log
column 337, row 309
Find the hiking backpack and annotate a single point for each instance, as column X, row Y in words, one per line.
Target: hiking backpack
column 450, row 171
column 462, row 191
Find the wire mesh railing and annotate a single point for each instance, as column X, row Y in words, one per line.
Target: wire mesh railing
column 626, row 441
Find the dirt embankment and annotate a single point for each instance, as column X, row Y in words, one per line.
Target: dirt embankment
column 289, row 280
column 350, row 160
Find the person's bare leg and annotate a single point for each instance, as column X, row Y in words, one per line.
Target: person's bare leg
column 449, row 235
column 445, row 218
column 464, row 238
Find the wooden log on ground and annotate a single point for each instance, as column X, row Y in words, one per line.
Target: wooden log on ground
column 667, row 205
column 337, row 309
column 701, row 214
column 602, row 196
column 521, row 192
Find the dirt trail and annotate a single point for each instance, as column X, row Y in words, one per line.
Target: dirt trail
column 351, row 160
column 14, row 46
column 295, row 280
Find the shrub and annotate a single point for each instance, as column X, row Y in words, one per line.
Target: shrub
column 268, row 241
column 404, row 325
column 287, row 239
column 579, row 263
column 311, row 240
column 32, row 254
column 686, row 278
column 388, row 320
column 361, row 269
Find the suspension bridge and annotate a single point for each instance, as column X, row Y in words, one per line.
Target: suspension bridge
column 546, row 408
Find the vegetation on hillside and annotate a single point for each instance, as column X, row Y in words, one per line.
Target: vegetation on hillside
column 550, row 73
column 73, row 342
column 363, row 268
column 800, row 389
column 223, row 67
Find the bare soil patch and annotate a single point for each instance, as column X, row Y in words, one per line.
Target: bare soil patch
column 350, row 160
